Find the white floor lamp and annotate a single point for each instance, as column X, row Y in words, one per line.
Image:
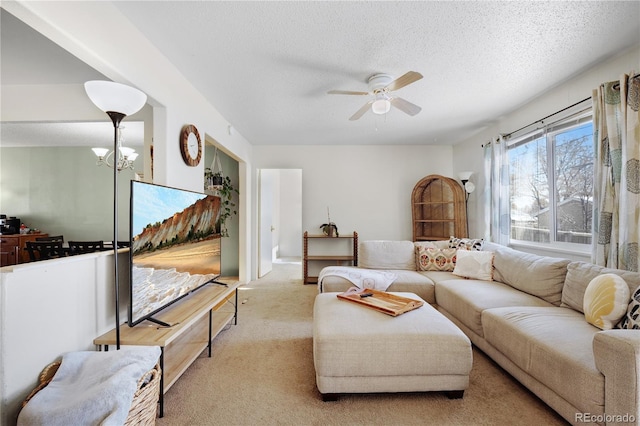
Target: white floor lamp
column 118, row 101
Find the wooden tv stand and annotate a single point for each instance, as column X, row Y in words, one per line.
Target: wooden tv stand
column 195, row 321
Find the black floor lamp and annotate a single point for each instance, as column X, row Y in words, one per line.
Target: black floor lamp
column 468, row 187
column 118, row 101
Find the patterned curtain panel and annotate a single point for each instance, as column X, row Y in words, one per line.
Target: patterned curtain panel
column 616, row 203
column 497, row 198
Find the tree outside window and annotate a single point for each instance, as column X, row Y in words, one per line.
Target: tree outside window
column 551, row 183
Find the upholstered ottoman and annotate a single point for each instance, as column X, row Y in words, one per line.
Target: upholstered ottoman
column 360, row 350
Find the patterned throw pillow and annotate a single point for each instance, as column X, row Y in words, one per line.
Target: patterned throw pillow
column 466, row 243
column 474, row 264
column 434, row 259
column 632, row 319
column 605, row 301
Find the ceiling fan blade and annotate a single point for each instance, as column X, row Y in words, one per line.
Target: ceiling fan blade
column 405, row 80
column 346, row 92
column 405, row 106
column 366, row 107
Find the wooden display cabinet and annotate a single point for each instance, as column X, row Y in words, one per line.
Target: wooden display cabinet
column 438, row 209
column 334, row 258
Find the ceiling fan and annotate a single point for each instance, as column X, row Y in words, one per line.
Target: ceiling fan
column 380, row 87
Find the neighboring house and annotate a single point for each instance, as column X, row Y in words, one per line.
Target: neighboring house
column 575, row 216
column 574, row 223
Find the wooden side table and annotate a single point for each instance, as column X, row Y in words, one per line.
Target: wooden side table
column 338, row 259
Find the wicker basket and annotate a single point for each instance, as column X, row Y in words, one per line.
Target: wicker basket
column 144, row 406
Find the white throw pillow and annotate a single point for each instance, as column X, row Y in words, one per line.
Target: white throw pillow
column 605, row 301
column 474, row 264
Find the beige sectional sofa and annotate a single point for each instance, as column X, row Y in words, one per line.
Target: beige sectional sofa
column 530, row 321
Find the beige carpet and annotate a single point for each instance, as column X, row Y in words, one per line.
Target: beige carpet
column 261, row 372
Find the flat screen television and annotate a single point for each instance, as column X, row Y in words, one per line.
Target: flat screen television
column 175, row 247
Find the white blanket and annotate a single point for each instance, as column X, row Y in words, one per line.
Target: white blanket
column 91, row 388
column 361, row 278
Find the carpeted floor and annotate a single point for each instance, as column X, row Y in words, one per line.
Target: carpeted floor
column 261, row 373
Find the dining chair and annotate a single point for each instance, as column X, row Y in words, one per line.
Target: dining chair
column 51, row 238
column 43, row 250
column 121, row 244
column 81, row 247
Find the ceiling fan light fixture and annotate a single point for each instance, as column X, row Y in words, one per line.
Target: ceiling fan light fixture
column 380, row 85
column 381, row 105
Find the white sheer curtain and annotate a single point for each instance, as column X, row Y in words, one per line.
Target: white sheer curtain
column 497, row 197
column 617, row 174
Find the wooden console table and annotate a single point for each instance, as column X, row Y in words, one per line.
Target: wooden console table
column 351, row 258
column 196, row 320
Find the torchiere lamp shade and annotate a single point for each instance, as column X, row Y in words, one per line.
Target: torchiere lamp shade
column 110, row 96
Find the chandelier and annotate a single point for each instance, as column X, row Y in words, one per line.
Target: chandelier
column 125, row 157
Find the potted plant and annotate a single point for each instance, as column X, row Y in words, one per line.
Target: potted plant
column 212, row 179
column 227, row 208
column 329, row 229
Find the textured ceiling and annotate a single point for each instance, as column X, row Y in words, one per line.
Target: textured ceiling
column 266, row 66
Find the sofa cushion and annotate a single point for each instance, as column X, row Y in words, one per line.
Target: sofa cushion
column 438, row 276
column 631, row 320
column 474, row 264
column 406, row 281
column 435, row 259
column 552, row 344
column 605, row 301
column 466, row 299
column 540, row 276
column 387, row 255
column 580, row 274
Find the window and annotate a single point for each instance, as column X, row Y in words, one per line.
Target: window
column 551, row 182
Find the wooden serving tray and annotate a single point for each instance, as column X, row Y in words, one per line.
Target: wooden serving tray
column 381, row 301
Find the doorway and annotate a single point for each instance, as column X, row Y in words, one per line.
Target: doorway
column 280, row 218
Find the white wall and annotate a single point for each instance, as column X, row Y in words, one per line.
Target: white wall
column 286, row 210
column 276, row 200
column 367, row 188
column 467, row 153
column 49, row 308
column 290, row 213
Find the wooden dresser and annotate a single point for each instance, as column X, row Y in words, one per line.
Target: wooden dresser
column 12, row 248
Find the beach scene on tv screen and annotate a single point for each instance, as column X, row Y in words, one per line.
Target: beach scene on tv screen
column 175, row 245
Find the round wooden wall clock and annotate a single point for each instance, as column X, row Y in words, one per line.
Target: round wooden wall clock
column 190, row 145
